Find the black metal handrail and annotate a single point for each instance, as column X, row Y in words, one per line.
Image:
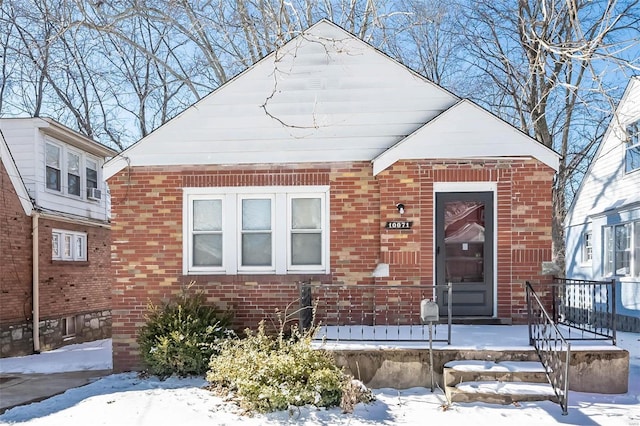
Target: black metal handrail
column 587, row 306
column 370, row 312
column 552, row 348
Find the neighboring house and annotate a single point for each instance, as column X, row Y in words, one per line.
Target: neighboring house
column 327, row 161
column 54, row 237
column 603, row 222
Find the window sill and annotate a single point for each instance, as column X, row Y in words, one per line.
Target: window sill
column 70, row 262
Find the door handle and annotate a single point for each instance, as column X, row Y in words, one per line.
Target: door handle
column 437, row 250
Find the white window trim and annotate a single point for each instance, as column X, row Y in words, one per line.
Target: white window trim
column 231, row 222
column 633, row 273
column 68, row 323
column 583, row 252
column 61, row 167
column 323, row 231
column 75, row 237
column 632, row 141
column 65, row 150
column 66, row 171
column 240, row 232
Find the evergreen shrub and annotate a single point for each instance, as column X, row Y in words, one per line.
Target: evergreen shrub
column 266, row 373
column 180, row 336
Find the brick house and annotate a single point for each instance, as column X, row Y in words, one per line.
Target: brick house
column 54, row 238
column 327, row 161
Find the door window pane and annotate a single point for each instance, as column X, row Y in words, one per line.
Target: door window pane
column 464, row 241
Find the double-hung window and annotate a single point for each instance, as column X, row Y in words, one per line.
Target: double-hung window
column 206, row 233
column 73, row 173
column 306, row 231
column 632, row 149
column 622, row 249
column 91, row 176
column 53, row 153
column 587, row 247
column 68, row 245
column 256, row 230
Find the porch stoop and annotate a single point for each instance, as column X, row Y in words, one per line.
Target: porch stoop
column 504, row 382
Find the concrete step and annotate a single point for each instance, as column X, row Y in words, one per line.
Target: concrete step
column 493, row 382
column 505, row 371
column 495, row 392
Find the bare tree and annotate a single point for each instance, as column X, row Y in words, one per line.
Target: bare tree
column 550, row 68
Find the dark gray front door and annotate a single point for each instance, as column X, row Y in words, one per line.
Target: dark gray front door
column 464, row 251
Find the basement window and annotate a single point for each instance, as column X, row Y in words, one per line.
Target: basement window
column 68, row 326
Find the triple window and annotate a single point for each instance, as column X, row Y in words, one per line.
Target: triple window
column 68, row 245
column 622, row 250
column 65, row 172
column 256, row 230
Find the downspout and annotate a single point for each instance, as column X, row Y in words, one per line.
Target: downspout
column 36, row 282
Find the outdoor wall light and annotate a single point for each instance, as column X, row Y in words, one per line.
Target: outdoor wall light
column 400, row 207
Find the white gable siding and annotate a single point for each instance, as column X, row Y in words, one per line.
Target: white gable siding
column 22, row 141
column 325, row 96
column 479, row 134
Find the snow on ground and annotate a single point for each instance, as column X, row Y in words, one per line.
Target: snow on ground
column 126, row 399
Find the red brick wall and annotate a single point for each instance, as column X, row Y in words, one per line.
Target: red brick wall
column 66, row 288
column 147, row 234
column 15, row 255
column 69, row 287
column 524, row 221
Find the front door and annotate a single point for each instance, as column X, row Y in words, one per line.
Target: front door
column 464, row 251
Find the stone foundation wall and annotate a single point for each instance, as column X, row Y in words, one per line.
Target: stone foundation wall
column 17, row 339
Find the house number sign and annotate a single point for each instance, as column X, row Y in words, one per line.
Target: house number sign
column 399, row 225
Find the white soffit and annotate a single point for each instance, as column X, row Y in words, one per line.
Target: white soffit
column 466, row 131
column 14, row 176
column 324, row 96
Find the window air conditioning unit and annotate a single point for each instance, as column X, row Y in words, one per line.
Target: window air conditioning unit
column 94, row 194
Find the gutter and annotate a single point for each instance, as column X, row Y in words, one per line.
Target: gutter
column 35, row 282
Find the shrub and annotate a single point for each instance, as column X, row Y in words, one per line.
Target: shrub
column 270, row 373
column 180, row 336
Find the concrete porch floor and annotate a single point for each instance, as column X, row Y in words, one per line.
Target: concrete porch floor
column 398, row 356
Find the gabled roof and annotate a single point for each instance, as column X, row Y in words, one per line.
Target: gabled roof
column 466, row 131
column 324, row 96
column 14, row 176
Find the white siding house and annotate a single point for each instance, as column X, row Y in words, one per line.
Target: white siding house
column 61, row 169
column 603, row 223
